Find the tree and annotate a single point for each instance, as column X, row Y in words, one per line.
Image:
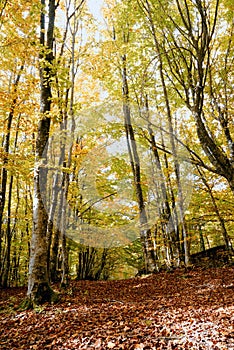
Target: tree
column 146, row 6
column 17, row 54
column 67, row 64
column 145, row 230
column 39, row 289
column 141, row 82
column 216, row 209
column 194, row 55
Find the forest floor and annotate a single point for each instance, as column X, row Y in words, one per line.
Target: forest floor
column 180, row 310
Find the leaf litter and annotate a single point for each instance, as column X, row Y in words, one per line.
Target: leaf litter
column 191, row 310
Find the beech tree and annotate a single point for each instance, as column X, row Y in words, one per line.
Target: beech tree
column 138, row 89
column 17, row 54
column 145, row 229
column 39, row 289
column 194, row 56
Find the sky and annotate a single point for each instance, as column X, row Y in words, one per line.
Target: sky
column 95, row 7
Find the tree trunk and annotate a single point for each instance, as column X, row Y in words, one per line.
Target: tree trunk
column 3, row 175
column 191, row 42
column 39, row 290
column 56, row 190
column 216, row 209
column 8, row 237
column 145, row 231
column 171, row 134
column 166, row 219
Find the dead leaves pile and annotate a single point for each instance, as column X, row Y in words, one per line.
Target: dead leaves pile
column 181, row 310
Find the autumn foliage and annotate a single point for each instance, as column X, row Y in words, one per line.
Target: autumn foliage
column 181, row 310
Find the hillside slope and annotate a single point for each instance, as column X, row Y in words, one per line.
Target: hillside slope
column 180, row 310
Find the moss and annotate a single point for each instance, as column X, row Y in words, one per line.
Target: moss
column 42, row 293
column 26, row 304
column 54, row 298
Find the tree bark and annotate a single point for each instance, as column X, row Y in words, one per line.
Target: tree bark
column 145, row 231
column 217, row 212
column 39, row 290
column 193, row 47
column 148, row 10
column 167, row 220
column 4, row 172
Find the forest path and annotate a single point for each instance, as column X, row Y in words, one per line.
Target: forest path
column 180, row 310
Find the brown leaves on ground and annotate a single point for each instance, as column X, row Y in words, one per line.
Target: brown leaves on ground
column 180, row 310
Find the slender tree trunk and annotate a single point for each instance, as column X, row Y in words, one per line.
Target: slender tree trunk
column 175, row 219
column 74, row 66
column 145, row 231
column 8, row 236
column 4, row 174
column 171, row 135
column 102, row 265
column 201, row 238
column 11, row 230
column 165, row 213
column 65, row 266
column 54, row 273
column 56, row 189
column 216, row 209
column 63, row 106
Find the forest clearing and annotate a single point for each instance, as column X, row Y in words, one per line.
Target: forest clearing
column 185, row 309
